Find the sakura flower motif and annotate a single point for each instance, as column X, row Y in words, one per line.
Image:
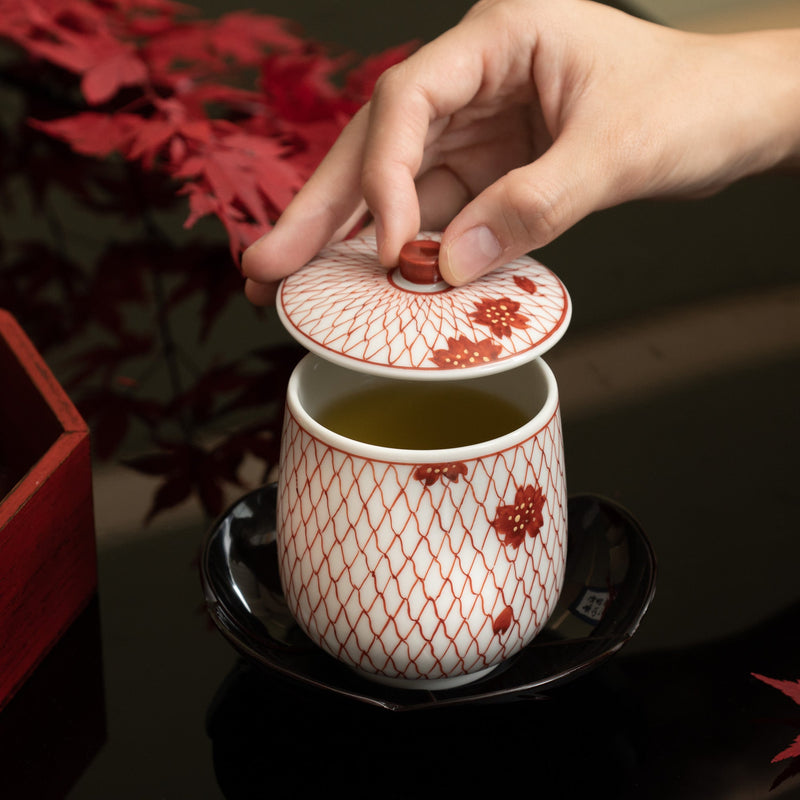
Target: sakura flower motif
column 526, row 284
column 524, row 517
column 501, row 314
column 462, row 353
column 503, row 621
column 430, row 473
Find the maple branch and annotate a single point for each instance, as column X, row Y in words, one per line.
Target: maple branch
column 170, row 351
column 169, row 348
column 60, row 240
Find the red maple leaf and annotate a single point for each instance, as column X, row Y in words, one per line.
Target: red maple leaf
column 27, row 284
column 790, row 689
column 203, row 271
column 203, row 202
column 102, row 361
column 92, row 133
column 238, row 154
column 245, row 36
column 179, row 52
column 149, row 18
column 205, row 99
column 793, row 751
column 115, row 68
column 275, row 366
column 119, row 280
column 187, row 469
column 299, row 87
column 361, row 80
column 200, row 48
column 151, row 8
column 202, row 399
column 110, row 411
column 106, row 63
column 172, row 133
column 243, row 179
column 260, row 164
column 260, row 440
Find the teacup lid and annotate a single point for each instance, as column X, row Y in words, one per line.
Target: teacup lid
column 408, row 323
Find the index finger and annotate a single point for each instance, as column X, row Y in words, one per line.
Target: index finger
column 411, row 105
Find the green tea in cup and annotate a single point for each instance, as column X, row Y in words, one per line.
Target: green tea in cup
column 414, row 416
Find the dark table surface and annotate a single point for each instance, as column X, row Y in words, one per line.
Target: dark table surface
column 680, row 381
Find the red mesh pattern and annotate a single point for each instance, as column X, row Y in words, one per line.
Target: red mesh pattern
column 346, row 304
column 402, row 578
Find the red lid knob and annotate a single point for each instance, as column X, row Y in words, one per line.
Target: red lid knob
column 419, row 261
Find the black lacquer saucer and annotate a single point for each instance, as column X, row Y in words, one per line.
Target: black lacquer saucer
column 610, row 582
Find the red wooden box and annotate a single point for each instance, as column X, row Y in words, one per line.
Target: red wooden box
column 48, row 561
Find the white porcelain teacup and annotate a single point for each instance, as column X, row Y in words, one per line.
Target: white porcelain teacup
column 421, row 568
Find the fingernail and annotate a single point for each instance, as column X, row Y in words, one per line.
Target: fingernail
column 250, row 257
column 472, row 253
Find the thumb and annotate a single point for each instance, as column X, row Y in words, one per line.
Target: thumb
column 525, row 209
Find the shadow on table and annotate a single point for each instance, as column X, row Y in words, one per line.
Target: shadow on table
column 692, row 723
column 54, row 727
column 271, row 734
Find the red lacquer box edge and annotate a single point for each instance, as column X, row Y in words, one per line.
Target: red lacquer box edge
column 48, row 560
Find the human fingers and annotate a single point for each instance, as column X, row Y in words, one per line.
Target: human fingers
column 441, row 195
column 263, row 293
column 260, row 294
column 525, row 209
column 410, row 107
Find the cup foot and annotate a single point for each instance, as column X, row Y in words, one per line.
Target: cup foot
column 427, row 684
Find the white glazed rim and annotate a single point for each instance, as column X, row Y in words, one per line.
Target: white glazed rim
column 338, row 304
column 392, row 454
column 416, row 373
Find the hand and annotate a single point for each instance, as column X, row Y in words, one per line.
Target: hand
column 529, row 115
